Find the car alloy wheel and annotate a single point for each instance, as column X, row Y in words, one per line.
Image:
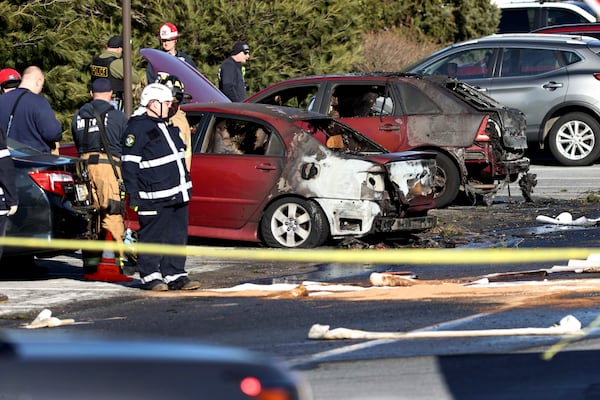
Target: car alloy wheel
column 574, row 139
column 294, row 223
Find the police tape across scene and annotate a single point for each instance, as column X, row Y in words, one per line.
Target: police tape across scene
column 348, row 256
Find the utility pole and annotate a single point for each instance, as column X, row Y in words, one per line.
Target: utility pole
column 127, row 59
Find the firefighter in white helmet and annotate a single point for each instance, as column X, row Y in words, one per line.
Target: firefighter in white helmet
column 168, row 36
column 159, row 188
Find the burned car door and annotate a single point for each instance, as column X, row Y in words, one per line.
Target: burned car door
column 370, row 108
column 236, row 163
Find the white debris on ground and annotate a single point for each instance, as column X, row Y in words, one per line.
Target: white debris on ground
column 568, row 325
column 566, row 218
column 46, row 320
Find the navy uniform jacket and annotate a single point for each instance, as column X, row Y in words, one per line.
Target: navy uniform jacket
column 153, row 164
column 115, row 122
column 151, row 74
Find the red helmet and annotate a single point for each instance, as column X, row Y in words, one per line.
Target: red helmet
column 168, row 31
column 9, row 78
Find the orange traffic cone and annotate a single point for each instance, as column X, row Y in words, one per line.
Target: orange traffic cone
column 108, row 269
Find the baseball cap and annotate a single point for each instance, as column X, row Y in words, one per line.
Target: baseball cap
column 239, row 47
column 101, row 85
column 115, row 42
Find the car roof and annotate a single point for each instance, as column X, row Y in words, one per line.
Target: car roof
column 569, row 28
column 255, row 109
column 573, row 6
column 528, row 38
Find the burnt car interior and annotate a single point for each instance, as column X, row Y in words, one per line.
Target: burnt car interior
column 351, row 101
column 226, row 135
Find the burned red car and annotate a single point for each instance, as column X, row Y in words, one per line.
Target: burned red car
column 261, row 173
column 478, row 142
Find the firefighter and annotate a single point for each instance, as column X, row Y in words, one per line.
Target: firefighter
column 102, row 149
column 159, row 188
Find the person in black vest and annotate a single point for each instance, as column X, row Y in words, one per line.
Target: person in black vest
column 96, row 149
column 231, row 73
column 159, row 188
column 109, row 65
column 8, row 187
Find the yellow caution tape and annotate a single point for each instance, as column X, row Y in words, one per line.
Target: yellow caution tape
column 322, row 255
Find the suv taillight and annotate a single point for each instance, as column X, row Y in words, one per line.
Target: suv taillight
column 482, row 135
column 53, row 181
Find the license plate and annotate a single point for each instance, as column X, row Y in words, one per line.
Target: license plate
column 82, row 192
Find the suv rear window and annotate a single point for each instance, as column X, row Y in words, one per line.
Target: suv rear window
column 528, row 62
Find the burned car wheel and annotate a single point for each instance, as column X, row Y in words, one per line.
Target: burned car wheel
column 446, row 181
column 294, row 223
column 575, row 139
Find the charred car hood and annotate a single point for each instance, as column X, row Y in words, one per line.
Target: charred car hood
column 195, row 84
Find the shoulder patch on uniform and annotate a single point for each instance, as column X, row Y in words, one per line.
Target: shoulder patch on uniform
column 129, row 140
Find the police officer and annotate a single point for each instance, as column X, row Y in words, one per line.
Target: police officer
column 109, row 65
column 97, row 146
column 159, row 188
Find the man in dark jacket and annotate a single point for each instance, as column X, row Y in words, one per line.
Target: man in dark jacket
column 159, row 188
column 105, row 176
column 8, row 188
column 8, row 191
column 231, row 74
column 26, row 115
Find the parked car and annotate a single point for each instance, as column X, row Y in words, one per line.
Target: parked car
column 54, row 199
column 478, row 142
column 586, row 29
column 293, row 191
column 525, row 16
column 58, row 366
column 553, row 79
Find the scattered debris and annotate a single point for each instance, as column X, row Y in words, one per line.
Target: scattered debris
column 568, row 325
column 566, row 218
column 3, row 298
column 46, row 320
column 393, row 279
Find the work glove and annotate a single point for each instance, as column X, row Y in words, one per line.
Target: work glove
column 12, row 210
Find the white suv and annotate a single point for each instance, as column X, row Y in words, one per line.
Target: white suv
column 518, row 17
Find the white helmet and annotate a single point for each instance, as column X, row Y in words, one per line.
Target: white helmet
column 155, row 91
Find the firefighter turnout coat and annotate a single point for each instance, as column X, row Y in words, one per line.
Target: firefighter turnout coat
column 153, row 162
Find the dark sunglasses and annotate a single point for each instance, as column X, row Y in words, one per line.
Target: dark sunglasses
column 246, row 51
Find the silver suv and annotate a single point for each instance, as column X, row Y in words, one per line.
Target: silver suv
column 553, row 79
